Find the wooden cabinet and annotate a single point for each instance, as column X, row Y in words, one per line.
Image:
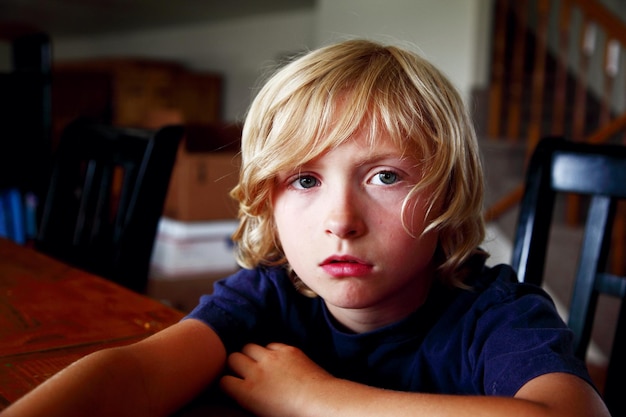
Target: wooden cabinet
column 129, row 92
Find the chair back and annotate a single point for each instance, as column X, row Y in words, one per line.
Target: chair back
column 597, row 172
column 105, row 198
column 25, row 113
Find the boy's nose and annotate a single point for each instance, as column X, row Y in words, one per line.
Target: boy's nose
column 344, row 219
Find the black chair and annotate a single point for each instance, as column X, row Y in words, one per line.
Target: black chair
column 105, row 198
column 25, row 114
column 598, row 172
column 25, row 142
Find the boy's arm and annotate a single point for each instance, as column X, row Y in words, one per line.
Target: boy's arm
column 281, row 380
column 150, row 378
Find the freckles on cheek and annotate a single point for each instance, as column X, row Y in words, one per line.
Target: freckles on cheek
column 288, row 219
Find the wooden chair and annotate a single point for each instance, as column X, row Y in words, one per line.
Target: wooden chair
column 105, row 198
column 599, row 173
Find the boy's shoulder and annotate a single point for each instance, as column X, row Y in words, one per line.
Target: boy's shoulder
column 263, row 282
column 499, row 285
column 261, row 275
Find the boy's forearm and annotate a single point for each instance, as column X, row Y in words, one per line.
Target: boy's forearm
column 153, row 377
column 103, row 383
column 341, row 398
column 347, row 399
column 281, row 380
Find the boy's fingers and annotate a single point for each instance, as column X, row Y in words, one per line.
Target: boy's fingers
column 252, row 350
column 239, row 362
column 276, row 346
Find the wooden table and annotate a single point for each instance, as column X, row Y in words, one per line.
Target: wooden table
column 52, row 314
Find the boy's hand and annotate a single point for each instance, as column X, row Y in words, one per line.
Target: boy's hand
column 273, row 380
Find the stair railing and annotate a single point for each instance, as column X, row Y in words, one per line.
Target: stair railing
column 557, row 69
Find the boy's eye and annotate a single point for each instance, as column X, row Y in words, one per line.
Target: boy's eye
column 385, row 178
column 304, row 182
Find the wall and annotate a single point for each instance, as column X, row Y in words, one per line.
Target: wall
column 452, row 33
column 239, row 49
column 616, row 6
column 448, row 33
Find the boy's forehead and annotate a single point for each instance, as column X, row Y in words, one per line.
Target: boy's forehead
column 344, row 117
column 354, row 117
column 370, row 147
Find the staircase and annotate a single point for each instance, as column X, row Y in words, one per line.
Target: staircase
column 557, row 69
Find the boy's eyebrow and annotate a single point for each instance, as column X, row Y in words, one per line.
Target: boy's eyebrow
column 368, row 159
column 388, row 155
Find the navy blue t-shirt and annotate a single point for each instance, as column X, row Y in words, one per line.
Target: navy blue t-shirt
column 489, row 340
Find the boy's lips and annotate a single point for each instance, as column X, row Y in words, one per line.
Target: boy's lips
column 345, row 266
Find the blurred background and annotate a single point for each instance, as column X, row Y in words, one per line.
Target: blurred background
column 239, row 40
column 526, row 69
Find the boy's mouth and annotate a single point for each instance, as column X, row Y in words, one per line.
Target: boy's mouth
column 345, row 266
column 343, row 259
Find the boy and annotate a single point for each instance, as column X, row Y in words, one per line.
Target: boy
column 364, row 290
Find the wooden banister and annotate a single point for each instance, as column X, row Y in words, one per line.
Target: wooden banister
column 539, row 75
column 560, row 81
column 497, row 70
column 516, row 83
column 524, row 39
column 597, row 12
column 505, row 204
column 518, row 102
column 606, row 132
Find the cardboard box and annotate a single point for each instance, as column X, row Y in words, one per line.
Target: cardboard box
column 206, row 169
column 200, row 186
column 184, row 248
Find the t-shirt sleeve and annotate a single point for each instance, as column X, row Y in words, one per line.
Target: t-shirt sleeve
column 239, row 306
column 521, row 338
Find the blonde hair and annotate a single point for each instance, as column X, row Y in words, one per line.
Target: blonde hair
column 295, row 118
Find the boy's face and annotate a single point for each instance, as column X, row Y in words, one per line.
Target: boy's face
column 339, row 222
